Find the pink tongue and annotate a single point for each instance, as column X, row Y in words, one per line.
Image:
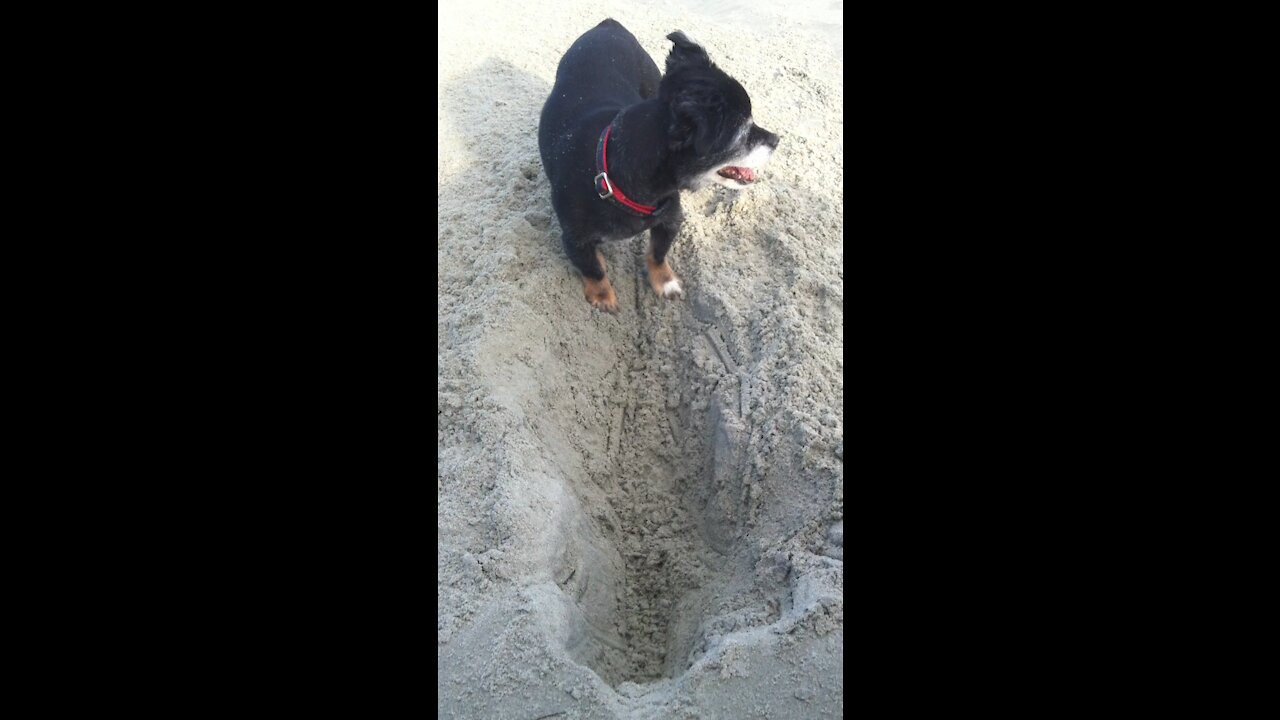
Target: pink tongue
column 747, row 174
column 739, row 173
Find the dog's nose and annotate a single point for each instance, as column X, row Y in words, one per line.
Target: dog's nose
column 769, row 138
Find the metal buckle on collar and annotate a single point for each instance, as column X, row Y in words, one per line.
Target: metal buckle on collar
column 607, row 184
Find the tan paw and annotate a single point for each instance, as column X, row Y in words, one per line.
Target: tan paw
column 600, row 294
column 663, row 280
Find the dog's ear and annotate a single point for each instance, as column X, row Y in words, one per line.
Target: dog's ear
column 695, row 119
column 685, row 52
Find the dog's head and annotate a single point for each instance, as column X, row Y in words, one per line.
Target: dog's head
column 711, row 133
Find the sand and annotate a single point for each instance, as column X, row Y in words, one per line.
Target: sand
column 641, row 515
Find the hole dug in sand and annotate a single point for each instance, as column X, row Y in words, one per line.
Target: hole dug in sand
column 648, row 562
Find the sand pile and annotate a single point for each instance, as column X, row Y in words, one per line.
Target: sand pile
column 640, row 516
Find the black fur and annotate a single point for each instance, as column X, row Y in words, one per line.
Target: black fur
column 673, row 130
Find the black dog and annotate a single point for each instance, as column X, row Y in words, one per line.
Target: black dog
column 619, row 142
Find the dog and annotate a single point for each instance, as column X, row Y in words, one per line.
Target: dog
column 619, row 141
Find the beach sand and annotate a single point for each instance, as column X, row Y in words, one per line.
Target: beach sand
column 641, row 515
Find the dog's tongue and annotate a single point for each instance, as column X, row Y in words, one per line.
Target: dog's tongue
column 739, row 173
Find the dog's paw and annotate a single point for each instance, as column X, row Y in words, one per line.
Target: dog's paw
column 609, row 304
column 663, row 281
column 601, row 295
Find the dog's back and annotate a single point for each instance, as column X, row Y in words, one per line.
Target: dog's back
column 604, row 71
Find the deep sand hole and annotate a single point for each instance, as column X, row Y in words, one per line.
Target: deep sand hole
column 666, row 440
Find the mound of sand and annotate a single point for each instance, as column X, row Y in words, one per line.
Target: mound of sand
column 639, row 516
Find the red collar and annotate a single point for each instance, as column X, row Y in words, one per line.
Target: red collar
column 605, row 187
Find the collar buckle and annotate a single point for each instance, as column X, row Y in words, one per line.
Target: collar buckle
column 608, row 186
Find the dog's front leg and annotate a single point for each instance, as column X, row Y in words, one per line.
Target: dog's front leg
column 595, row 283
column 661, row 277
